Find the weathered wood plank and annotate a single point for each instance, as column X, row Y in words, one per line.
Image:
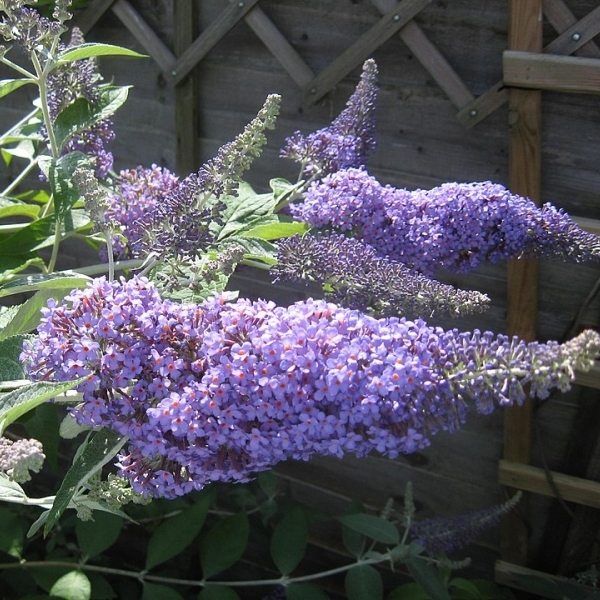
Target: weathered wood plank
column 430, row 57
column 144, row 35
column 362, row 49
column 281, row 49
column 533, row 479
column 483, row 106
column 576, row 35
column 510, row 575
column 535, row 71
column 87, row 18
column 209, row 37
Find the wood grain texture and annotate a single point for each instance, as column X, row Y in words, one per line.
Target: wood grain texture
column 572, row 74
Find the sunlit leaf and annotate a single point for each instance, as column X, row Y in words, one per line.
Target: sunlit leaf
column 10, row 85
column 18, row 402
column 90, row 50
column 73, row 586
column 101, row 448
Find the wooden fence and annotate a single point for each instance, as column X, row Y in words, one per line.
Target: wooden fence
column 568, row 63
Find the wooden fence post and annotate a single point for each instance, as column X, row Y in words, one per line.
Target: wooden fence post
column 525, row 33
column 186, row 92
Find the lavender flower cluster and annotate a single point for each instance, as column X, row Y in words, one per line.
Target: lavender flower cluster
column 136, row 192
column 350, row 138
column 456, row 226
column 353, row 275
column 218, row 391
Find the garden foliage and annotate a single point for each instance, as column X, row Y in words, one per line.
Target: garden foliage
column 171, row 387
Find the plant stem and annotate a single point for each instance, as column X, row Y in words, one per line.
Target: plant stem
column 143, row 576
column 17, row 180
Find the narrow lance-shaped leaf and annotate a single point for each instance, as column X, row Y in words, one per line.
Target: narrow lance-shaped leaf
column 10, row 85
column 91, row 50
column 67, row 280
column 17, row 403
column 102, row 447
column 11, row 368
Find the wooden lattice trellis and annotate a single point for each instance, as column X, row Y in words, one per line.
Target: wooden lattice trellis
column 528, row 68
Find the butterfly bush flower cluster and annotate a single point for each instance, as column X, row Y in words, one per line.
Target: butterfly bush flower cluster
column 357, row 277
column 19, row 457
column 219, row 391
column 455, row 226
column 136, row 192
column 350, row 138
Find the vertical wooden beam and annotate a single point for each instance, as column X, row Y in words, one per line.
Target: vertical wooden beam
column 186, row 92
column 524, row 33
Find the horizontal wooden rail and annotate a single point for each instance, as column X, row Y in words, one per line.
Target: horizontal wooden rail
column 533, row 479
column 551, row 72
column 512, row 576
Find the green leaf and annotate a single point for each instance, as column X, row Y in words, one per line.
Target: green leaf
column 82, row 114
column 19, row 209
column 102, row 447
column 283, row 190
column 97, row 535
column 408, row 591
column 19, row 402
column 218, row 592
column 354, row 541
column 428, row 577
column 224, row 544
column 29, row 314
column 289, row 540
column 101, row 588
column 9, row 489
column 10, row 85
column 7, row 314
column 73, row 586
column 305, row 591
column 254, row 248
column 243, row 208
column 363, row 582
column 274, row 228
column 155, row 591
column 11, row 368
column 60, row 175
column 176, row 533
column 34, row 235
column 10, row 266
column 90, row 50
column 463, row 589
column 267, row 482
column 67, row 280
column 376, row 528
column 11, row 540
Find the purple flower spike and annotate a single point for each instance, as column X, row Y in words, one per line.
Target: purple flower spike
column 350, row 138
column 456, row 226
column 137, row 192
column 218, row 392
column 353, row 275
